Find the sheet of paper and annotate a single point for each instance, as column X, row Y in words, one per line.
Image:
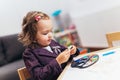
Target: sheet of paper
column 107, row 68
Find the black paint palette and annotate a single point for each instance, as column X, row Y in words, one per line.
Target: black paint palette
column 85, row 61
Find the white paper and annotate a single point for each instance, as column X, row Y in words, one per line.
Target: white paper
column 107, row 68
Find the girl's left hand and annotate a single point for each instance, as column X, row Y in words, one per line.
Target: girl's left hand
column 73, row 50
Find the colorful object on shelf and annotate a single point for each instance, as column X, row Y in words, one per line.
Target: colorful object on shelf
column 56, row 13
column 58, row 20
column 68, row 37
column 65, row 40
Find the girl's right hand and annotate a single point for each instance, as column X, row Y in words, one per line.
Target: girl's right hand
column 63, row 56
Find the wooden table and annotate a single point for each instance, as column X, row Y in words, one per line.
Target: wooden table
column 106, row 68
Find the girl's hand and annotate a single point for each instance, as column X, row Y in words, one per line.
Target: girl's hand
column 63, row 57
column 73, row 50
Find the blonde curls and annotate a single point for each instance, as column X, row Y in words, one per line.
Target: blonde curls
column 29, row 28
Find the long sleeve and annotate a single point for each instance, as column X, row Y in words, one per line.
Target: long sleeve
column 39, row 71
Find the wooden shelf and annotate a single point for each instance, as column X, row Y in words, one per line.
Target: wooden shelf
column 59, row 34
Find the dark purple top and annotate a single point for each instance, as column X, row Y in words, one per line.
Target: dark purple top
column 42, row 63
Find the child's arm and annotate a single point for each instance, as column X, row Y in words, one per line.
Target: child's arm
column 63, row 57
column 40, row 71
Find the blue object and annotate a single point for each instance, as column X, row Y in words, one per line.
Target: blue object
column 85, row 61
column 56, row 13
column 112, row 52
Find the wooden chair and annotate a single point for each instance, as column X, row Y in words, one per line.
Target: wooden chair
column 113, row 39
column 23, row 73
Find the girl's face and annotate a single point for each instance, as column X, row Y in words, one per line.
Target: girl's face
column 44, row 33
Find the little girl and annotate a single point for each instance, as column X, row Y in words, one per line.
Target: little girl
column 44, row 58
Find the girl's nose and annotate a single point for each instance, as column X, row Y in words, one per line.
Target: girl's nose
column 50, row 35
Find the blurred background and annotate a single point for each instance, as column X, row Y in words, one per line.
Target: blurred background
column 83, row 23
column 92, row 18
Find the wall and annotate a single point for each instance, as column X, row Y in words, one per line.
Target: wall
column 13, row 11
column 93, row 18
column 92, row 28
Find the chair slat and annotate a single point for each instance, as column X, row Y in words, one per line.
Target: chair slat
column 23, row 73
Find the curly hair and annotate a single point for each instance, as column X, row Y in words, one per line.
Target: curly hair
column 29, row 27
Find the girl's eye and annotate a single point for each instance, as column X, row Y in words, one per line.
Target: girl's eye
column 45, row 33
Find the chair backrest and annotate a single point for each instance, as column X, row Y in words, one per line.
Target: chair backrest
column 23, row 73
column 113, row 39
